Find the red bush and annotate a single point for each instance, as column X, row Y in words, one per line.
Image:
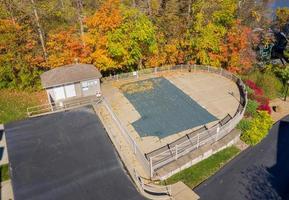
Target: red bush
column 251, row 84
column 258, row 96
column 265, row 107
column 257, row 90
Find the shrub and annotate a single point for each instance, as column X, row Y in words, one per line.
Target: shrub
column 257, row 90
column 265, row 107
column 271, row 85
column 256, row 94
column 251, row 109
column 282, row 73
column 268, row 82
column 256, row 129
column 249, row 90
column 244, row 125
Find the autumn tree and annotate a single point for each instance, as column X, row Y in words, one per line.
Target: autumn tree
column 236, row 52
column 106, row 19
column 282, row 16
column 18, row 56
column 133, row 41
column 210, row 23
column 65, row 47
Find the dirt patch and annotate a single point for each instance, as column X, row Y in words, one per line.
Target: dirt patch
column 136, row 87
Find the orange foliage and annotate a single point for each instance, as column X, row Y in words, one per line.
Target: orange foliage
column 18, row 40
column 107, row 18
column 170, row 53
column 237, row 54
column 65, row 47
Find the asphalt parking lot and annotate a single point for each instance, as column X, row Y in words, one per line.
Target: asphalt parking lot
column 260, row 172
column 66, row 155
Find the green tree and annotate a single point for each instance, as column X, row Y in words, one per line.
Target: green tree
column 210, row 23
column 133, row 40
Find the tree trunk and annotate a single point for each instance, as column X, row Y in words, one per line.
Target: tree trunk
column 189, row 12
column 133, row 4
column 139, row 66
column 79, row 7
column 62, row 4
column 9, row 7
column 149, row 9
column 40, row 32
column 162, row 6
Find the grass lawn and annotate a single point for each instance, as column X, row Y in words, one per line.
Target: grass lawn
column 196, row 174
column 4, row 172
column 13, row 104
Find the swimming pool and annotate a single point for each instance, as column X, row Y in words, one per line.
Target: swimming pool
column 164, row 109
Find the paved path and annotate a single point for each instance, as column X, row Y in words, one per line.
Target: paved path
column 260, row 172
column 283, row 108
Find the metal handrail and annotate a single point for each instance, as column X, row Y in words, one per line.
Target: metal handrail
column 179, row 150
column 162, row 192
column 49, row 108
column 133, row 145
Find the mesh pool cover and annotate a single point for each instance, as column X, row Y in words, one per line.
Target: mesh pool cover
column 164, row 108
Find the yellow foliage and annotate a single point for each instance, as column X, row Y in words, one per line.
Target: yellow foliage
column 107, row 18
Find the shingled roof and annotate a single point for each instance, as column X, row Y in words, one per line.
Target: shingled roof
column 69, row 74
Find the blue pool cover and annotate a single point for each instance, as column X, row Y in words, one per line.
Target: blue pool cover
column 165, row 109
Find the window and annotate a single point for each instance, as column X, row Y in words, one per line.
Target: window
column 70, row 91
column 86, row 84
column 59, row 93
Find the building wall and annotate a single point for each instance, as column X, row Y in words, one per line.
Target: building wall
column 90, row 87
column 82, row 89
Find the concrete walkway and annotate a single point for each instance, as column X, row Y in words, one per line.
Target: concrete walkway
column 179, row 190
column 6, row 190
column 182, row 192
column 283, row 108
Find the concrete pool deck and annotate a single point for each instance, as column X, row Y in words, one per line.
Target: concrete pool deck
column 217, row 94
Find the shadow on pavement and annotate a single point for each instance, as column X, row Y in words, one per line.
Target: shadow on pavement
column 260, row 172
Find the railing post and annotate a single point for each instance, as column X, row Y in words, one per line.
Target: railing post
column 151, row 167
column 176, row 152
column 134, row 146
column 217, row 134
column 198, row 141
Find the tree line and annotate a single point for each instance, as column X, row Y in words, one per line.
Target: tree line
column 125, row 35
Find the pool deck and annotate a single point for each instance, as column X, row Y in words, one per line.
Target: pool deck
column 213, row 92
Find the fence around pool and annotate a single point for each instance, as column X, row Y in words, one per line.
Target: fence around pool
column 160, row 157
